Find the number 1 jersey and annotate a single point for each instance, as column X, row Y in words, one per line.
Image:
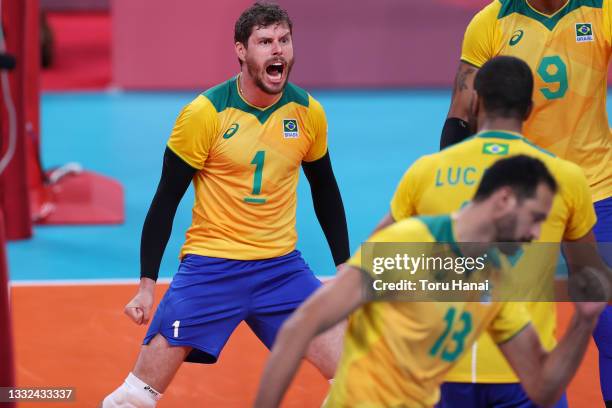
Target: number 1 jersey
column 568, row 53
column 248, row 162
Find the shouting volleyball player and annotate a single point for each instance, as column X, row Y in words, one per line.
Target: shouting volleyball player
column 242, row 143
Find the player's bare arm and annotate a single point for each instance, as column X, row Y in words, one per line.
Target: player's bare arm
column 545, row 375
column 456, row 126
column 586, row 267
column 328, row 306
column 462, row 91
column 175, row 179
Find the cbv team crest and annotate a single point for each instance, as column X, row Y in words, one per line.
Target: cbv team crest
column 584, row 32
column 290, row 128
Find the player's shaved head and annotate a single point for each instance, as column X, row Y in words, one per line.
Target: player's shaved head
column 504, row 86
column 260, row 14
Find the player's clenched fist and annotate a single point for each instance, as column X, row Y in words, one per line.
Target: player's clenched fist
column 139, row 308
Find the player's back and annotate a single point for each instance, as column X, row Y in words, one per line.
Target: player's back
column 568, row 54
column 396, row 353
column 443, row 182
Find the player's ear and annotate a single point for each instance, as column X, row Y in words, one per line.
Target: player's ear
column 240, row 51
column 505, row 200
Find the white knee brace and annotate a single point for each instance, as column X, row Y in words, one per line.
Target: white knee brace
column 133, row 393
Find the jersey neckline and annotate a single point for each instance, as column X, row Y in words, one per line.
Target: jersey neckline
column 250, row 104
column 567, row 2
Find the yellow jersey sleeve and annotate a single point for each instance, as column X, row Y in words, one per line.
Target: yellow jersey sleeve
column 582, row 217
column 607, row 21
column 509, row 321
column 318, row 124
column 194, row 132
column 481, row 38
column 407, row 194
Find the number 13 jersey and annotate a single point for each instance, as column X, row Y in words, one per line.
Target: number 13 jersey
column 248, row 162
column 568, row 53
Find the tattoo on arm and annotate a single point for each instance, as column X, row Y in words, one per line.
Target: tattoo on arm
column 462, row 77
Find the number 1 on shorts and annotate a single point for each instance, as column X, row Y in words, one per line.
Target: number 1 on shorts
column 176, row 326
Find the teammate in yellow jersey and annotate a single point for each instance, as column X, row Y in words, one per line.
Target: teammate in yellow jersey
column 242, row 143
column 567, row 44
column 444, row 181
column 396, row 353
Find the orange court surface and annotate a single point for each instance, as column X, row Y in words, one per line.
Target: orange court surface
column 77, row 336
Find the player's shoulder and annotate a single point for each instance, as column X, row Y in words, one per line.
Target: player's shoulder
column 294, row 93
column 299, row 96
column 492, row 11
column 567, row 172
column 425, row 163
column 558, row 166
column 220, row 96
column 439, row 227
column 412, row 229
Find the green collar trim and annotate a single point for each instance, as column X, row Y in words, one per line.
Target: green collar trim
column 499, row 134
column 226, row 95
column 549, row 21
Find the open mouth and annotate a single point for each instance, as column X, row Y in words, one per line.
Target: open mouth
column 275, row 71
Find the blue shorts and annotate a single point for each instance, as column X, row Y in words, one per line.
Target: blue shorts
column 209, row 297
column 511, row 395
column 603, row 330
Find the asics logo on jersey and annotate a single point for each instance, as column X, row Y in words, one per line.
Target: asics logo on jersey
column 231, row 131
column 516, row 37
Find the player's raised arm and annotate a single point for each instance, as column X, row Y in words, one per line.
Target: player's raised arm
column 545, row 375
column 175, row 179
column 328, row 306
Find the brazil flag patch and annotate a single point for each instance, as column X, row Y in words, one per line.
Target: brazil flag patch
column 584, row 32
column 290, row 128
column 497, row 149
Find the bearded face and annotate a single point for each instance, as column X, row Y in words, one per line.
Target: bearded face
column 269, row 57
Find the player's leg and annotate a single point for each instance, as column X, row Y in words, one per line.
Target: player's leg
column 603, row 331
column 157, row 364
column 204, row 304
column 282, row 284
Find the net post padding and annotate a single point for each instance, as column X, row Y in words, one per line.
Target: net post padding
column 14, row 196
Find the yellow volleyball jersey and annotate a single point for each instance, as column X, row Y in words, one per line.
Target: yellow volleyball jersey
column 397, row 353
column 444, row 181
column 248, row 162
column 568, row 53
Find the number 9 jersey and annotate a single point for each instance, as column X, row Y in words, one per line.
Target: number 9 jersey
column 248, row 160
column 568, row 53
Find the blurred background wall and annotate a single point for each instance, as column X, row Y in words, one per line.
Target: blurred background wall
column 339, row 43
column 75, row 5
